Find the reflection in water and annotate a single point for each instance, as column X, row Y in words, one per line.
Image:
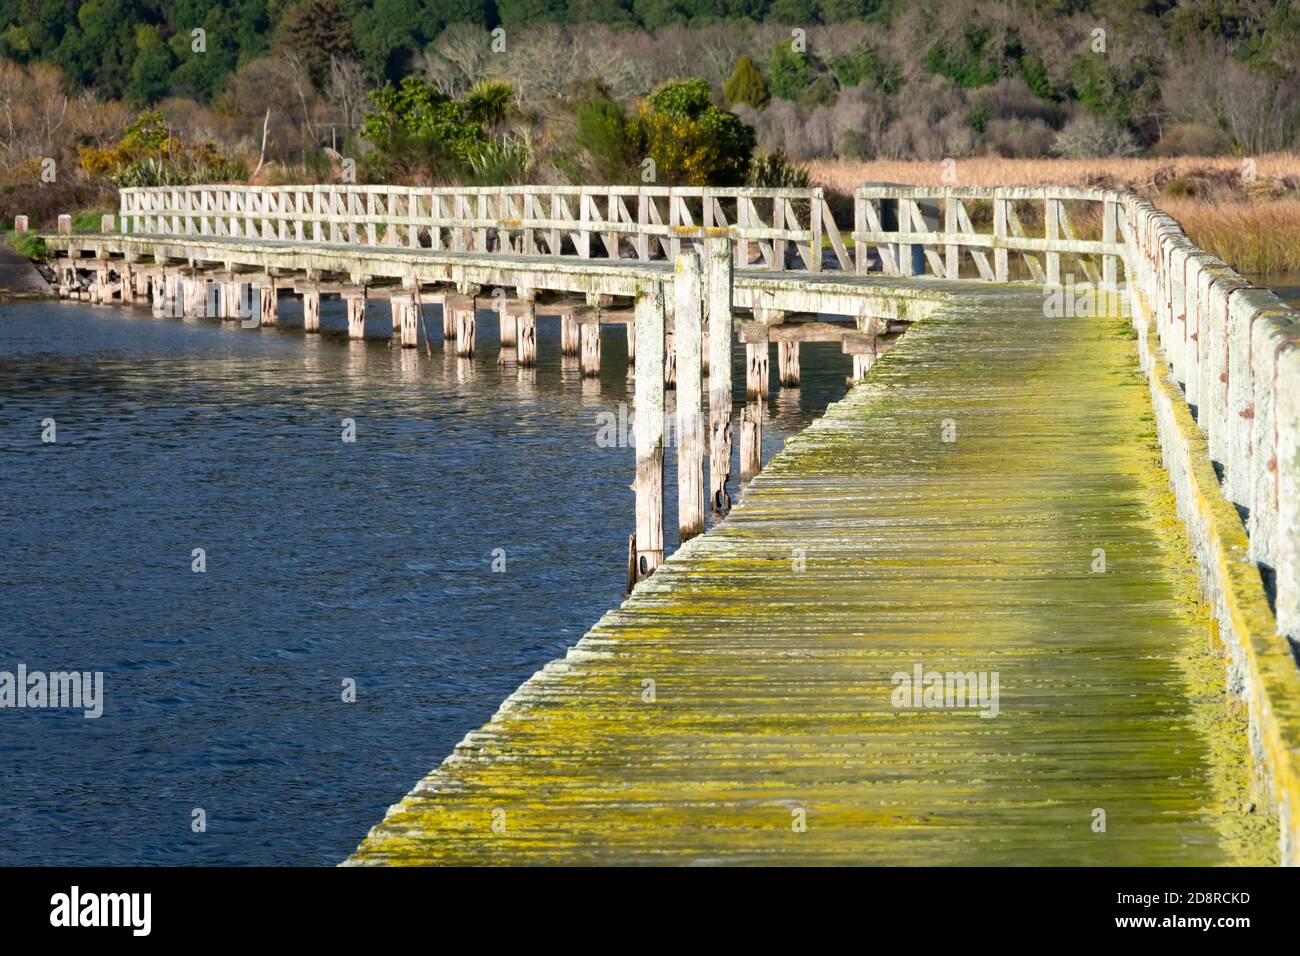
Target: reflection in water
column 789, row 408
column 326, row 560
column 1286, row 286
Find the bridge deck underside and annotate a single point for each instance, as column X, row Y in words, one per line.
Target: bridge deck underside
column 774, row 686
column 790, row 290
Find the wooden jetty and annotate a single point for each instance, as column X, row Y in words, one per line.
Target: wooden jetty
column 970, row 616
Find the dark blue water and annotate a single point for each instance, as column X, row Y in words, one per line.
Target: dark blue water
column 325, row 561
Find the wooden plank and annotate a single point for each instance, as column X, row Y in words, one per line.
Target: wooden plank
column 781, row 639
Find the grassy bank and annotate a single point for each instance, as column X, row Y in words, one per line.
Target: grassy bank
column 28, row 244
column 1248, row 214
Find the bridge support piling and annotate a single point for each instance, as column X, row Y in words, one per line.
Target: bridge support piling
column 171, row 292
column 67, row 276
column 569, row 338
column 311, row 310
column 356, row 304
column 648, row 406
column 589, row 324
column 215, row 298
column 198, row 293
column 509, row 326
column 751, row 441
column 405, row 318
column 270, row 305
column 246, row 311
column 864, row 345
column 717, row 301
column 465, row 321
column 125, row 283
column 155, row 295
column 687, row 323
column 756, row 369
column 670, row 360
column 525, row 328
column 787, row 354
column 231, row 300
column 448, row 321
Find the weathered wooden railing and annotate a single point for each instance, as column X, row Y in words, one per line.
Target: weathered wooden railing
column 773, row 229
column 770, row 226
column 918, row 230
column 1225, row 384
column 1234, row 351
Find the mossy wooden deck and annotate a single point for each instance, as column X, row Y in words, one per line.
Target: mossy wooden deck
column 869, row 545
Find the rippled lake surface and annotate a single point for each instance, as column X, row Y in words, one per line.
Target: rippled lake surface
column 325, row 561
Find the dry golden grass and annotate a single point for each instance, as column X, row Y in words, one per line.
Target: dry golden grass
column 1253, row 226
column 1144, row 176
column 1252, row 237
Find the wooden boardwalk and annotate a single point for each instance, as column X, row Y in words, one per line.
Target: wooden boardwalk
column 952, row 513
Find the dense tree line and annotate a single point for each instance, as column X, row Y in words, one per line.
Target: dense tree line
column 589, row 90
column 141, row 50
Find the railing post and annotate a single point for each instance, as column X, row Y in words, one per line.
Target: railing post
column 815, row 224
column 1000, row 270
column 642, row 220
column 1052, row 232
column 778, row 224
column 480, row 232
column 859, row 227
column 674, row 220
column 951, row 255
column 742, row 208
column 1108, row 223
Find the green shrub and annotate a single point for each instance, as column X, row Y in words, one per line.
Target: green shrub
column 416, row 129
column 28, row 244
column 1106, row 91
column 501, row 164
column 774, row 171
column 791, row 73
column 865, row 66
column 691, row 141
column 608, row 141
column 970, row 65
column 488, row 101
column 747, row 85
column 1035, row 76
